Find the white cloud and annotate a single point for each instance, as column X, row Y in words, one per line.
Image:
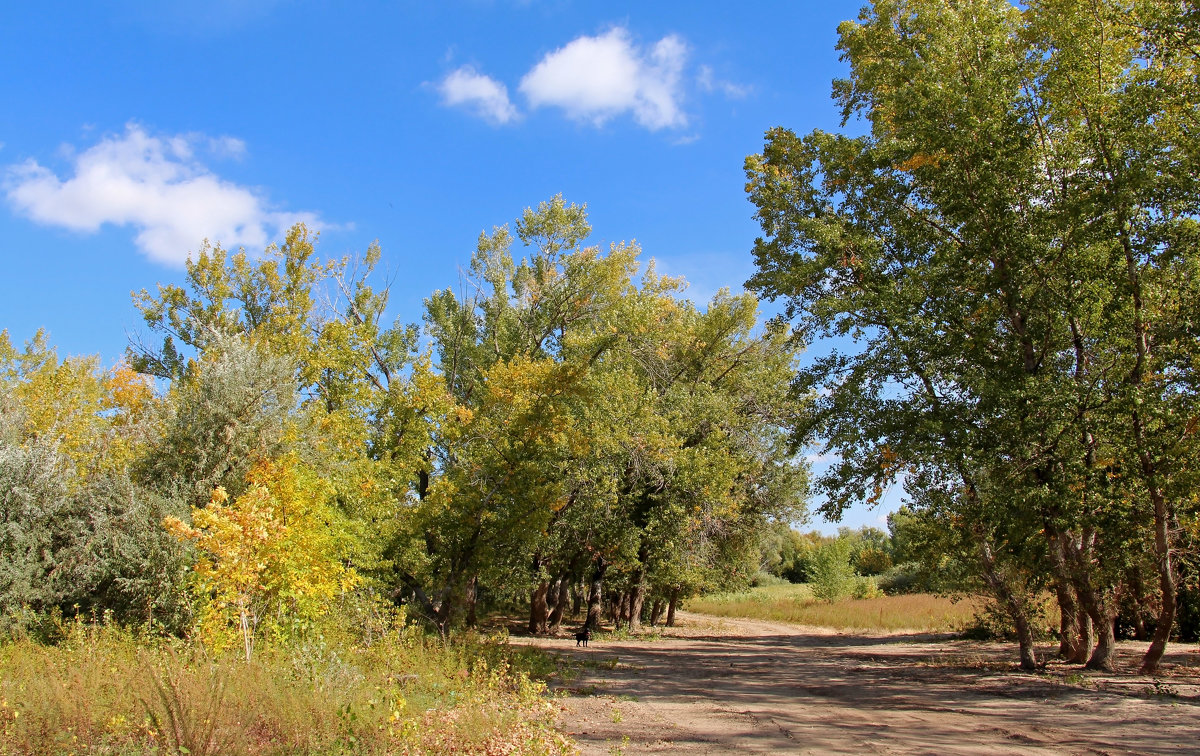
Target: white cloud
column 483, row 94
column 156, row 185
column 597, row 78
column 707, row 81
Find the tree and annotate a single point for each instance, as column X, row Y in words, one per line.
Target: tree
column 1008, row 246
column 232, row 409
column 77, row 534
column 269, row 557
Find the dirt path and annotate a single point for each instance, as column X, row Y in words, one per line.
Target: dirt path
column 741, row 686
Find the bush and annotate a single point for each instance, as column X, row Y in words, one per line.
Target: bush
column 991, row 622
column 763, row 579
column 866, row 588
column 872, row 561
column 91, row 546
column 903, row 578
column 831, row 575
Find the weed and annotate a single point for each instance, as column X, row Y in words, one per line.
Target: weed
column 109, row 691
column 1160, row 689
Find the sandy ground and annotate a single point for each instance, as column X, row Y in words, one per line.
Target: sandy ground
column 718, row 686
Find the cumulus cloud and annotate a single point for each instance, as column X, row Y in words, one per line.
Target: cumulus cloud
column 484, row 95
column 158, row 186
column 597, row 78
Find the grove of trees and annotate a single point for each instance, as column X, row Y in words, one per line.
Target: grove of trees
column 562, row 429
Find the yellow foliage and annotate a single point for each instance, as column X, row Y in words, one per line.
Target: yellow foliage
column 271, row 556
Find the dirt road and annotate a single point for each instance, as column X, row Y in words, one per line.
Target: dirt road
column 741, row 686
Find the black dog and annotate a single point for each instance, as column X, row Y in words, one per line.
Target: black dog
column 583, row 636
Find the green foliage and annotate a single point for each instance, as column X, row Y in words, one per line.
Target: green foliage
column 36, row 511
column 1011, row 245
column 830, row 573
column 78, row 536
column 598, row 421
column 91, row 547
column 231, row 410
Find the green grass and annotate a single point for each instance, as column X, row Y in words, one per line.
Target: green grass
column 920, row 612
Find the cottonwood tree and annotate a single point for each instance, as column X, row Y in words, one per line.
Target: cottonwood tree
column 1009, row 245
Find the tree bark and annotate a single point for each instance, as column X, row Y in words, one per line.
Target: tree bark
column 538, row 613
column 1012, row 602
column 674, row 601
column 596, row 594
column 1104, row 655
column 656, row 610
column 1068, row 627
column 1087, row 637
column 1068, row 606
column 560, row 592
column 1152, row 475
column 1166, row 581
column 1101, row 609
column 471, row 599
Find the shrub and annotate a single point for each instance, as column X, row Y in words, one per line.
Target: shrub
column 831, row 575
column 991, row 622
column 866, row 588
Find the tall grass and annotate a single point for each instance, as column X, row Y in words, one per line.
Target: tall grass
column 105, row 691
column 920, row 612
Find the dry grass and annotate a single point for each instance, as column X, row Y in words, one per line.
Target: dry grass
column 919, row 612
column 103, row 691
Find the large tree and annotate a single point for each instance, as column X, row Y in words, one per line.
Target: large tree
column 1009, row 246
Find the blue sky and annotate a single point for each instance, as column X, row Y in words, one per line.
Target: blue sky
column 132, row 129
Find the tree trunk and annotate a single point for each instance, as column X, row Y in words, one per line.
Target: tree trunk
column 1068, row 606
column 1152, row 474
column 538, row 612
column 656, row 610
column 637, row 601
column 471, row 599
column 576, row 600
column 1086, row 637
column 1104, row 655
column 637, row 590
column 445, row 611
column 1136, row 599
column 1011, row 601
column 1102, row 612
column 1068, row 626
column 621, row 608
column 1166, row 581
column 596, row 594
column 671, row 607
column 1025, row 645
column 560, row 591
